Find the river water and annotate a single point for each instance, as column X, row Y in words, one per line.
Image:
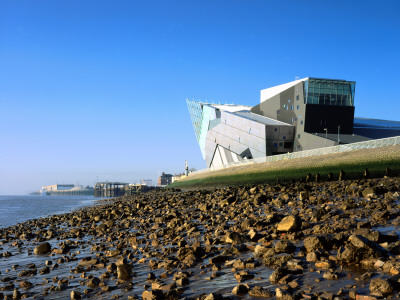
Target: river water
column 17, row 209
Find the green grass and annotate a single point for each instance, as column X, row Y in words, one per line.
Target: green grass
column 352, row 170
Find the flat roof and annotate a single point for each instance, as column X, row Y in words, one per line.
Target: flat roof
column 229, row 107
column 260, row 119
column 344, row 138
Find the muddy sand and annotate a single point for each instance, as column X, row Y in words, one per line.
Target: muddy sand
column 331, row 240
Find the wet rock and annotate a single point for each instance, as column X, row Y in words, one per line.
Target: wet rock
column 380, row 287
column 243, row 276
column 235, row 238
column 93, row 282
column 278, row 274
column 16, row 295
column 123, row 270
column 284, row 246
column 25, row 284
column 277, row 260
column 258, row 291
column 240, row 289
column 214, row 296
column 43, row 248
column 313, row 243
column 75, row 295
column 289, row 223
column 153, row 295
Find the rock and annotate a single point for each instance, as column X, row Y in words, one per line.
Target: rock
column 153, row 295
column 75, row 295
column 330, row 276
column 258, row 291
column 289, row 223
column 214, row 296
column 123, row 270
column 235, row 238
column 16, row 295
column 277, row 260
column 278, row 274
column 284, row 246
column 313, row 243
column 25, row 284
column 312, row 256
column 240, row 289
column 43, row 248
column 219, row 259
column 380, row 287
column 93, row 282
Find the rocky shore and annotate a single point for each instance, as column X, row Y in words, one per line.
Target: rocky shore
column 330, row 240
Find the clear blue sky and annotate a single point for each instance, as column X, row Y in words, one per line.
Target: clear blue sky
column 97, row 88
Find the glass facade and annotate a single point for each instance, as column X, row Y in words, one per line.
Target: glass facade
column 329, row 92
column 196, row 115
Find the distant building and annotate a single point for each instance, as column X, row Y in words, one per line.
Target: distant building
column 66, row 190
column 165, row 179
column 178, row 176
column 147, row 182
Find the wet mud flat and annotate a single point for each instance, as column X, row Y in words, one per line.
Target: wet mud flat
column 330, row 240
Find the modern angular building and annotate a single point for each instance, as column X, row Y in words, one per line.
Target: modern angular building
column 300, row 115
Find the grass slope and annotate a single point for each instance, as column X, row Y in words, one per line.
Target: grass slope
column 352, row 163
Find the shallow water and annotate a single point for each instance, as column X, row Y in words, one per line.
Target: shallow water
column 16, row 209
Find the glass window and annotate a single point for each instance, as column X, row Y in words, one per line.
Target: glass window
column 289, row 100
column 297, row 97
column 276, row 129
column 284, row 138
column 298, row 106
column 301, row 122
column 291, row 107
column 298, row 136
column 280, row 144
column 275, row 145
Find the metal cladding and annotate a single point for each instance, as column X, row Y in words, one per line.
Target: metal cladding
column 300, row 115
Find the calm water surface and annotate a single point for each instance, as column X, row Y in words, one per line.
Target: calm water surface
column 17, row 209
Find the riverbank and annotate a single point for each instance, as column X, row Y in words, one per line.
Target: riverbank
column 333, row 240
column 353, row 164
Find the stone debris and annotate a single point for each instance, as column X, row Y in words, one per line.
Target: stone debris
column 300, row 240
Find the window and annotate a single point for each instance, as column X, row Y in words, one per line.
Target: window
column 299, row 117
column 298, row 106
column 284, row 138
column 276, row 129
column 288, row 145
column 292, row 119
column 289, row 101
column 275, row 145
column 291, row 107
column 297, row 97
column 280, row 144
column 301, row 122
column 298, row 136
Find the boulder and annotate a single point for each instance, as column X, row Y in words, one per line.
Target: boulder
column 313, row 243
column 380, row 287
column 43, row 248
column 284, row 246
column 289, row 223
column 240, row 289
